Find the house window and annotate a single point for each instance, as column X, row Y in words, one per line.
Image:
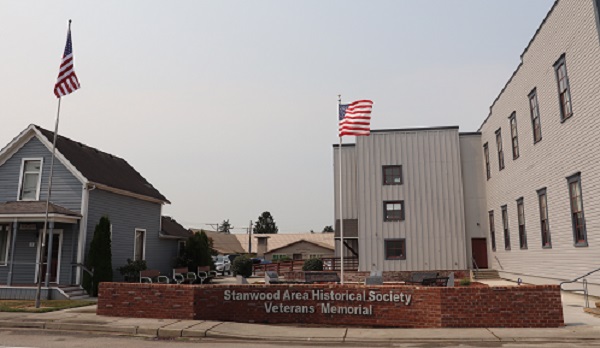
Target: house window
column 4, row 238
column 29, row 183
column 500, row 152
column 395, row 249
column 545, row 229
column 315, row 256
column 277, row 257
column 577, row 218
column 492, row 229
column 534, row 108
column 505, row 227
column 564, row 93
column 392, row 175
column 180, row 247
column 521, row 220
column 393, row 210
column 486, row 153
column 139, row 247
column 513, row 135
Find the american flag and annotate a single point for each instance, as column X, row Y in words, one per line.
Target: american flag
column 355, row 118
column 67, row 81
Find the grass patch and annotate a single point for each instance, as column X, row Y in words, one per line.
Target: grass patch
column 45, row 305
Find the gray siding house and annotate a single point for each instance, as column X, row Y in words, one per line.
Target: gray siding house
column 87, row 184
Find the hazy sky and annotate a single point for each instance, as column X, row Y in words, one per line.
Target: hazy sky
column 229, row 107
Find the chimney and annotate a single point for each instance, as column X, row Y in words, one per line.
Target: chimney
column 262, row 245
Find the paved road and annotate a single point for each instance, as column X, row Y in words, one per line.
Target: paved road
column 37, row 339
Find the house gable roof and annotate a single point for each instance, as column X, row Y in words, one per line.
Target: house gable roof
column 91, row 166
column 322, row 245
column 101, row 167
column 173, row 229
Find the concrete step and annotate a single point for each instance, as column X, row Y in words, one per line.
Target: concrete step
column 486, row 274
column 80, row 297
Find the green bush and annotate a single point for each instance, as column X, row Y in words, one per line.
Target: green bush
column 131, row 271
column 313, row 265
column 99, row 258
column 465, row 282
column 242, row 265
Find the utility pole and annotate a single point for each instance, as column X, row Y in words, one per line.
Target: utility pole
column 250, row 238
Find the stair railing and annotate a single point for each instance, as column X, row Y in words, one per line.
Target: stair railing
column 476, row 267
column 584, row 286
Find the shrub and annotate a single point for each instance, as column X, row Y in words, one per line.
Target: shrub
column 99, row 257
column 131, row 271
column 242, row 265
column 465, row 282
column 313, row 265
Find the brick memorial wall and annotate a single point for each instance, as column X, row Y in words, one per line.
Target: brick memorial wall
column 334, row 304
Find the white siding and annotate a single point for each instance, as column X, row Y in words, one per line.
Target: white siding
column 566, row 148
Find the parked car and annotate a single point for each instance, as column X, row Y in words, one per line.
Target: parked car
column 222, row 264
column 260, row 261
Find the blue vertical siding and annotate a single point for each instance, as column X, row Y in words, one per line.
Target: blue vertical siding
column 127, row 214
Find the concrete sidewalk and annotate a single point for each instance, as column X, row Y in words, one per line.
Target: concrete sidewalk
column 579, row 326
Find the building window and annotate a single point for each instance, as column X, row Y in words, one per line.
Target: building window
column 395, row 249
column 492, row 229
column 392, row 175
column 513, row 135
column 499, row 146
column 521, row 220
column 486, row 153
column 315, row 256
column 564, row 93
column 139, row 247
column 536, row 123
column 181, row 248
column 29, row 183
column 545, row 228
column 505, row 227
column 393, row 210
column 577, row 218
column 4, row 239
column 279, row 257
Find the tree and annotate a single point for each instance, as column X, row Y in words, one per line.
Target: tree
column 265, row 224
column 99, row 257
column 328, row 229
column 225, row 227
column 198, row 251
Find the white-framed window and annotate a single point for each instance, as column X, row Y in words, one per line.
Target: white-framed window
column 315, row 256
column 4, row 242
column 139, row 245
column 30, row 180
column 280, row 257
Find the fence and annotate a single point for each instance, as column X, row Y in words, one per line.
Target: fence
column 329, row 264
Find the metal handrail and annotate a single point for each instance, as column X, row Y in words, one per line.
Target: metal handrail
column 584, row 283
column 476, row 267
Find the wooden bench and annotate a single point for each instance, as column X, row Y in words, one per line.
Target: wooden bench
column 205, row 274
column 311, row 277
column 419, row 278
column 183, row 276
column 153, row 276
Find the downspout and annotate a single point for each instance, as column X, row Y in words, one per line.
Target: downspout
column 83, row 230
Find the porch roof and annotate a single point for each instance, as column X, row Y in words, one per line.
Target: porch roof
column 35, row 211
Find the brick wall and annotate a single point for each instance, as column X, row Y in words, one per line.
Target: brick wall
column 160, row 301
column 429, row 307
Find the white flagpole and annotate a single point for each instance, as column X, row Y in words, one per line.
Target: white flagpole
column 43, row 245
column 341, row 210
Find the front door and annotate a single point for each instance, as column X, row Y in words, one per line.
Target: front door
column 54, row 263
column 479, row 251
